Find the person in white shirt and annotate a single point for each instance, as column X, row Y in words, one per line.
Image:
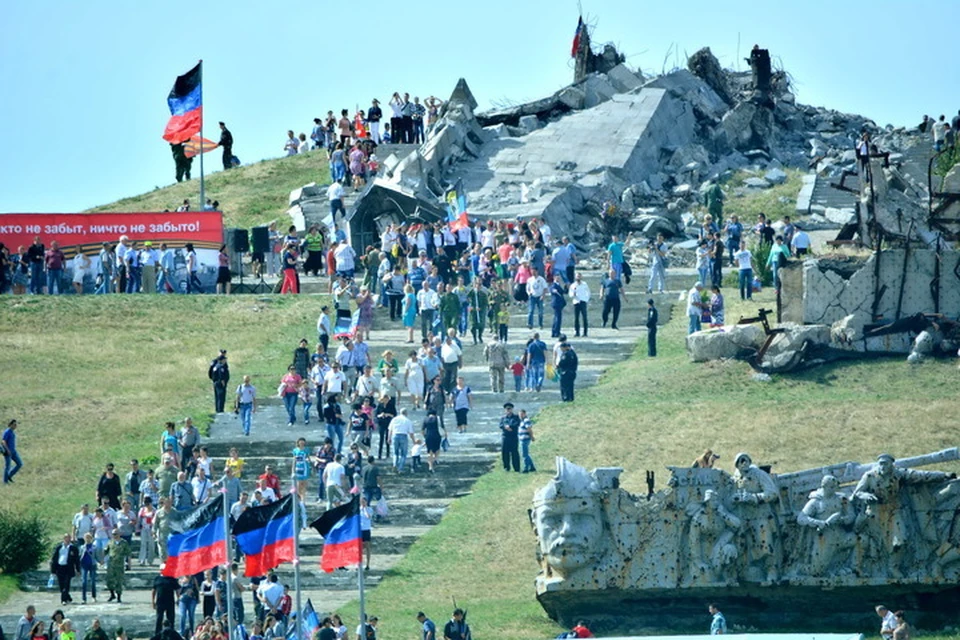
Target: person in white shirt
column 335, row 482
column 149, row 259
column 745, row 265
column 694, row 306
column 82, row 522
column 536, row 289
column 304, row 146
column 345, row 257
column 545, row 232
column 271, row 594
column 324, row 329
column 800, row 243
column 335, row 196
column 451, row 355
column 402, row 436
column 488, row 237
column 580, row 294
column 267, row 494
column 201, row 486
column 428, row 301
column 291, row 145
column 334, row 381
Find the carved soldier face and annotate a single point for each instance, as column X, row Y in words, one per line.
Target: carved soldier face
column 569, row 532
column 885, row 465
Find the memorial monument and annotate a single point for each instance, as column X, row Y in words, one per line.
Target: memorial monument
column 810, row 549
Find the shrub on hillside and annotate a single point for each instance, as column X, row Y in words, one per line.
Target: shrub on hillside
column 760, row 254
column 23, row 542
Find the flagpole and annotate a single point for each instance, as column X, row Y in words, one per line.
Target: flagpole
column 226, row 541
column 296, row 549
column 203, row 200
column 363, row 615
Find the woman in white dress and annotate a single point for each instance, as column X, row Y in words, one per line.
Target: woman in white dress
column 81, row 267
column 413, row 378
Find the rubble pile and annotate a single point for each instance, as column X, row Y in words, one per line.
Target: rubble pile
column 618, row 151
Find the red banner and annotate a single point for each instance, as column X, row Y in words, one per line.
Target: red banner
column 86, row 232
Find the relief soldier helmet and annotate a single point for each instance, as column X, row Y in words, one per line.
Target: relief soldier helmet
column 885, row 456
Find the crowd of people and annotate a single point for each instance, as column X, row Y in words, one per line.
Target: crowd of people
column 943, row 131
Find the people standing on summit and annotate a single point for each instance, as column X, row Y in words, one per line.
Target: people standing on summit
column 226, row 143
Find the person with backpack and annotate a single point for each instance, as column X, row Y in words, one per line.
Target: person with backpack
column 457, row 628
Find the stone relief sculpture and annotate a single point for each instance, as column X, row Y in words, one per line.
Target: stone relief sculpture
column 725, row 534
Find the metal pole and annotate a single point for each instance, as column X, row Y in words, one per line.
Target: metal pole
column 296, row 549
column 202, row 190
column 226, row 540
column 363, row 615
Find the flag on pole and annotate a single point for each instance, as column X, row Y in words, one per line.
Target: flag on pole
column 342, row 540
column 192, row 146
column 265, row 536
column 456, row 199
column 310, row 624
column 197, row 540
column 186, row 108
column 576, row 38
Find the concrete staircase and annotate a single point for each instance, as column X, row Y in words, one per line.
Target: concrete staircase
column 417, row 500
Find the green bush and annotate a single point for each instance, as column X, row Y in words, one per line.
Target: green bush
column 946, row 162
column 23, row 542
column 760, row 254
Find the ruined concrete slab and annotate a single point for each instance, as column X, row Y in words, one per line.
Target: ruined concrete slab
column 625, row 133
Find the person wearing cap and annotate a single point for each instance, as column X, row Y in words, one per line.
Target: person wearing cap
column 226, row 143
column 567, row 370
column 219, row 374
column 510, row 438
column 653, row 317
column 880, row 490
column 149, row 259
column 370, row 632
column 429, row 628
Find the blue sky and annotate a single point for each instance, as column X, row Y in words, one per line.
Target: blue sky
column 85, row 84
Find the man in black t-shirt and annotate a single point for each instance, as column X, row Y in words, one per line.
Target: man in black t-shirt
column 612, row 290
column 164, row 599
column 457, row 628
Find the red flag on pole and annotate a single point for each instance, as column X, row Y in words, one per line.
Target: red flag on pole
column 576, row 38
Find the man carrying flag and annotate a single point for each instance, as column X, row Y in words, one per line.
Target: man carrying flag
column 342, row 538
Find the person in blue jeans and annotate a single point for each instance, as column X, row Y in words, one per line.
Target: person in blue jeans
column 333, row 417
column 246, row 403
column 10, row 455
column 694, row 308
column 744, row 261
column 536, row 362
column 526, row 437
column 88, row 567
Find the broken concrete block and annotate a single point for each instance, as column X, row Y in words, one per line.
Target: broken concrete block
column 623, row 79
column 597, row 90
column 529, row 123
column 572, row 97
column 840, row 216
column 775, row 176
column 756, row 183
column 731, row 342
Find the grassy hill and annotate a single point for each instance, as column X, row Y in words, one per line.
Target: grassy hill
column 645, row 414
column 249, row 195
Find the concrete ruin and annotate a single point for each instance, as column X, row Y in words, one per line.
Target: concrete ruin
column 768, row 547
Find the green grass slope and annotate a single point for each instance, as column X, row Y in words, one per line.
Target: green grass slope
column 645, row 414
column 249, row 195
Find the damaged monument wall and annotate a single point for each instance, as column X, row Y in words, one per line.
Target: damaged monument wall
column 833, row 290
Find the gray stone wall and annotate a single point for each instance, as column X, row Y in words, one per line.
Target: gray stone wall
column 829, row 294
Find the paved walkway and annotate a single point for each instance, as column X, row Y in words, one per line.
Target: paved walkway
column 417, row 501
